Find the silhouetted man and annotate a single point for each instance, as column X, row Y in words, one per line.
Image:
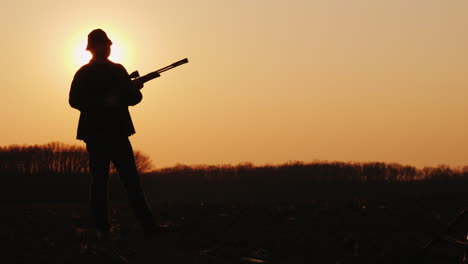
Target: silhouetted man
column 102, row 90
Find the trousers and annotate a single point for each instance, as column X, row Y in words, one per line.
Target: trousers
column 117, row 150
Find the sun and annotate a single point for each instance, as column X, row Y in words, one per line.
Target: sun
column 81, row 56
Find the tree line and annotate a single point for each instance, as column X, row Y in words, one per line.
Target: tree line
column 57, row 158
column 54, row 158
column 57, row 171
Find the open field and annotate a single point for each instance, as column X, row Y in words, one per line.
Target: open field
column 319, row 212
column 350, row 230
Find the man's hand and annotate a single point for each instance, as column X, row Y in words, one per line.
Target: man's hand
column 137, row 84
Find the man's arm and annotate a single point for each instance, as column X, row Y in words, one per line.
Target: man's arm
column 132, row 94
column 79, row 97
column 75, row 97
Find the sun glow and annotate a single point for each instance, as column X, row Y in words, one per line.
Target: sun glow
column 81, row 56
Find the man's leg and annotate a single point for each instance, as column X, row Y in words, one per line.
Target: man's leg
column 99, row 167
column 124, row 162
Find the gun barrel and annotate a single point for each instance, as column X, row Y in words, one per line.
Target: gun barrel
column 156, row 74
column 173, row 65
column 148, row 77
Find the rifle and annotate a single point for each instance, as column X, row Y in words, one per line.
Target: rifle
column 150, row 76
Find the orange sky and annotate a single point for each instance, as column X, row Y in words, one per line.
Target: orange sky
column 268, row 81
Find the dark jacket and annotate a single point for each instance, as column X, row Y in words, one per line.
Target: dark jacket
column 92, row 87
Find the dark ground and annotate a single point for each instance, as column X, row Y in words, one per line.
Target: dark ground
column 347, row 231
